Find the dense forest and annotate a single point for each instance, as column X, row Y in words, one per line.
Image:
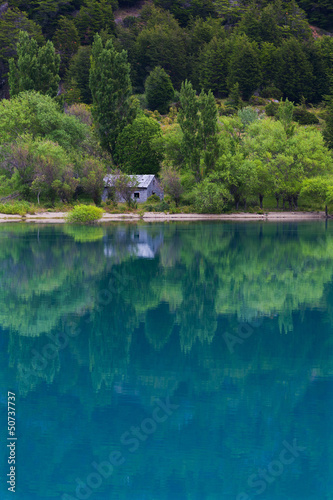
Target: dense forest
column 230, row 104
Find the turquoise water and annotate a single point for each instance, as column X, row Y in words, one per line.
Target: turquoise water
column 168, row 361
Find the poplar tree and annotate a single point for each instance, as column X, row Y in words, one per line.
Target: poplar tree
column 111, row 89
column 198, row 121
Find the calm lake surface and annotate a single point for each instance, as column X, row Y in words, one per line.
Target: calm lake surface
column 168, row 361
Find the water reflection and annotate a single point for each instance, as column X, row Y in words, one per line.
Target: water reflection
column 139, row 312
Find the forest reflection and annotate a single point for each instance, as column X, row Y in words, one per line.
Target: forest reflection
column 152, row 304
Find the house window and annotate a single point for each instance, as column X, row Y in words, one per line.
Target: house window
column 153, row 192
column 136, row 195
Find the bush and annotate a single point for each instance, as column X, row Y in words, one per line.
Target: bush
column 257, row 101
column 272, row 109
column 272, row 92
column 226, row 110
column 304, row 117
column 85, row 213
column 17, row 208
column 153, row 198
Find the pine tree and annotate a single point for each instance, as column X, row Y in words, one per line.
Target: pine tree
column 295, row 74
column 244, row 66
column 35, row 69
column 159, row 90
column 66, row 41
column 111, row 90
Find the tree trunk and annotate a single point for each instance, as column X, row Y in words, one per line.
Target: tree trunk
column 38, row 197
column 326, row 211
column 244, row 204
column 261, row 197
column 295, row 199
column 277, row 201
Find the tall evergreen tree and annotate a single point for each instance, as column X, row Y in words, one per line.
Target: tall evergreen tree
column 37, row 68
column 295, row 74
column 159, row 90
column 111, row 90
column 66, row 41
column 244, row 66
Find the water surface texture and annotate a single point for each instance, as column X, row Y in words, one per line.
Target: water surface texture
column 168, row 361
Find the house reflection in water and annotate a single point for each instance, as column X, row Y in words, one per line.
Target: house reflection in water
column 138, row 242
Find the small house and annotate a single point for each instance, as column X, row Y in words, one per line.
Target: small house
column 146, row 185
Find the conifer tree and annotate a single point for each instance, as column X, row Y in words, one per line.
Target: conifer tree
column 37, row 68
column 244, row 66
column 159, row 90
column 66, row 41
column 111, row 90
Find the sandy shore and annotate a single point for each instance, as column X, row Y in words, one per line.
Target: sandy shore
column 59, row 217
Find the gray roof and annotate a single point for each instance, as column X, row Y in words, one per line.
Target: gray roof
column 142, row 180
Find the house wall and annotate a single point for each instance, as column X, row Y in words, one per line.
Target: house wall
column 153, row 187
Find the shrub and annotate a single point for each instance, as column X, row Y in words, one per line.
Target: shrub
column 85, row 213
column 257, row 101
column 153, row 198
column 304, row 117
column 272, row 109
column 16, row 208
column 272, row 92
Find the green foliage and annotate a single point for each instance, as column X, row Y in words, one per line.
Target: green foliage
column 198, row 121
column 36, row 68
column 66, row 41
column 77, row 76
column 171, row 183
column 247, row 115
column 40, row 116
column 304, row 117
column 16, row 208
column 92, row 178
column 285, row 114
column 272, row 109
column 84, row 213
column 162, row 43
column 244, row 66
column 159, row 90
column 295, row 74
column 93, row 17
column 235, row 96
column 12, row 21
column 211, row 196
column 142, row 157
column 111, row 89
column 328, row 130
column 212, row 67
column 320, row 13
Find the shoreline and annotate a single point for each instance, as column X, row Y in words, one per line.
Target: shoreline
column 59, row 217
